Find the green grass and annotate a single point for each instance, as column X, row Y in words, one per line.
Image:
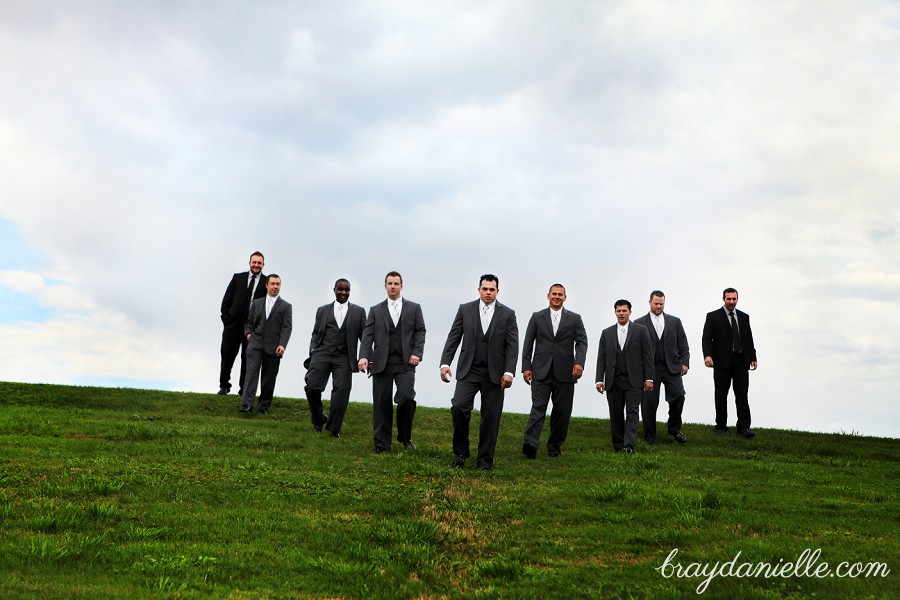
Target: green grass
column 120, row 493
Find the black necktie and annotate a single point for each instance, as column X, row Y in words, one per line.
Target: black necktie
column 250, row 290
column 735, row 333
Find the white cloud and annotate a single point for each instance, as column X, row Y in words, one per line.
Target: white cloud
column 617, row 147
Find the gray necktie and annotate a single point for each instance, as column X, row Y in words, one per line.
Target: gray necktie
column 395, row 312
column 485, row 323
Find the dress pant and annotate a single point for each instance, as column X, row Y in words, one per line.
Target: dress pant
column 321, row 365
column 396, row 372
column 257, row 361
column 477, row 380
column 234, row 340
column 624, row 409
column 735, row 376
column 562, row 393
column 674, row 397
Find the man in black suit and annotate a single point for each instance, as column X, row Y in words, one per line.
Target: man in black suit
column 241, row 291
column 672, row 357
column 625, row 370
column 332, row 351
column 487, row 361
column 392, row 345
column 728, row 349
column 552, row 362
column 268, row 329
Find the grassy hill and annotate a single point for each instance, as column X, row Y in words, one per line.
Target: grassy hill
column 120, row 493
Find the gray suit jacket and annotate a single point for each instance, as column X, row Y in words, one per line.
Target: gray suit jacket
column 674, row 341
column 502, row 339
column 542, row 349
column 377, row 333
column 355, row 319
column 270, row 333
column 638, row 356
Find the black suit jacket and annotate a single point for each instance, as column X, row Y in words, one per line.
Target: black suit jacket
column 718, row 342
column 355, row 320
column 502, row 340
column 638, row 356
column 675, row 344
column 269, row 333
column 542, row 349
column 377, row 333
column 235, row 303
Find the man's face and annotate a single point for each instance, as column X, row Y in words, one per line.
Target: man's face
column 392, row 286
column 657, row 304
column 342, row 292
column 488, row 291
column 256, row 264
column 556, row 297
column 273, row 286
column 623, row 313
column 730, row 300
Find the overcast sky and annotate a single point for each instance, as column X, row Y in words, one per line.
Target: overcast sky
column 147, row 148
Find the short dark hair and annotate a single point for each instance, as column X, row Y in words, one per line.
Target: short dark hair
column 728, row 291
column 341, row 280
column 489, row 277
column 656, row 293
column 394, row 274
column 259, row 254
column 559, row 285
column 622, row 303
column 274, row 276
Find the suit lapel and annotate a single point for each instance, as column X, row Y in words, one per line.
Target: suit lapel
column 386, row 316
column 628, row 336
column 494, row 318
column 548, row 320
column 653, row 329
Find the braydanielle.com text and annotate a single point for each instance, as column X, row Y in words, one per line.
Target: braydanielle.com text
column 806, row 565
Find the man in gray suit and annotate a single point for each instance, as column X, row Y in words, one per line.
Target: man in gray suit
column 672, row 358
column 332, row 351
column 551, row 368
column 487, row 361
column 268, row 329
column 624, row 369
column 393, row 341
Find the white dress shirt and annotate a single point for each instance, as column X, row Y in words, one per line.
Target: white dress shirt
column 395, row 307
column 340, row 313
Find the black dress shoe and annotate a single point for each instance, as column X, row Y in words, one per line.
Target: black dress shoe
column 554, row 453
column 486, row 467
column 721, row 430
column 380, row 449
column 246, row 409
column 458, row 462
column 264, row 411
column 409, row 445
column 335, row 434
column 679, row 437
column 650, row 441
column 628, row 450
column 746, row 433
column 529, row 451
column 317, row 428
column 223, row 391
column 240, row 392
